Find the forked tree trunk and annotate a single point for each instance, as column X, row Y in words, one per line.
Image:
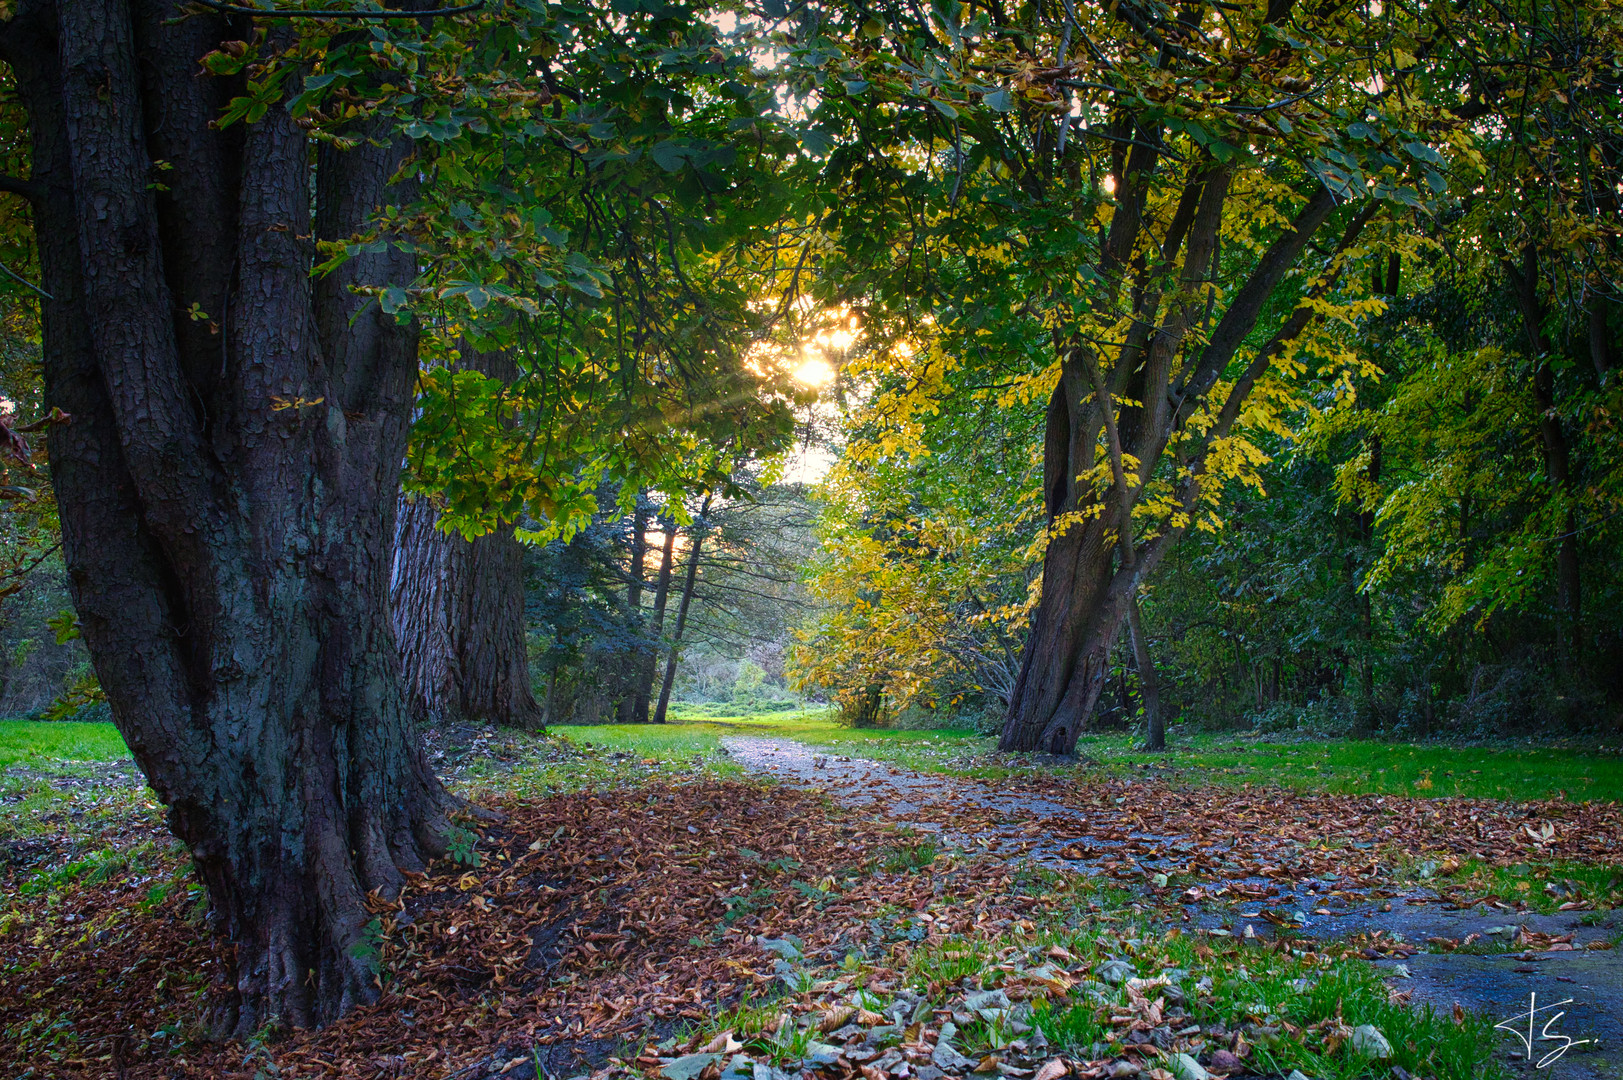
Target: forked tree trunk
column 1084, row 594
column 227, row 487
column 459, row 611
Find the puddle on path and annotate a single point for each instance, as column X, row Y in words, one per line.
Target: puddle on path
column 1498, row 985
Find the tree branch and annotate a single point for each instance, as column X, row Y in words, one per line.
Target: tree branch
column 28, row 189
column 1242, row 315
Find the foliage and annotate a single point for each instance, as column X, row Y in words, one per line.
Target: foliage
column 595, row 225
column 929, row 528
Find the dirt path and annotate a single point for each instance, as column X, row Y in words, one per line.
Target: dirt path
column 1067, row 834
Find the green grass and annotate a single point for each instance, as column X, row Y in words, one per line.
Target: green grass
column 1544, row 885
column 676, row 742
column 1333, row 765
column 1349, row 766
column 696, row 730
column 42, row 743
column 1368, row 767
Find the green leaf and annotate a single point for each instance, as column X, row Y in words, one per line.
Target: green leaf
column 815, row 141
column 669, row 155
column 998, row 101
column 945, row 108
column 65, row 624
column 1422, row 152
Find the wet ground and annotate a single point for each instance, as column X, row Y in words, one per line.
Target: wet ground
column 1586, row 986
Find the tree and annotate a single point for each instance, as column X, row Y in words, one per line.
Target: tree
column 227, row 483
column 696, row 534
column 1154, row 261
column 929, row 525
column 649, row 659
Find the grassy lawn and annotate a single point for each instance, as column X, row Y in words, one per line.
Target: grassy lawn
column 32, row 742
column 1363, row 766
column 1334, row 765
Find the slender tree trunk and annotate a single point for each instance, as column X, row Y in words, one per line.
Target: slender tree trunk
column 648, row 660
column 1600, row 333
column 645, row 677
column 227, row 499
column 459, row 610
column 626, row 709
column 696, row 541
column 1148, row 684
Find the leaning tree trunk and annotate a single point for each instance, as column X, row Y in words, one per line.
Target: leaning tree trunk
column 459, row 611
column 227, row 487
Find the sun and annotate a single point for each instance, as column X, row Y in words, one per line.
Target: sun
column 815, row 372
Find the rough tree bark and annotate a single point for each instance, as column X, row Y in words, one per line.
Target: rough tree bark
column 459, row 611
column 227, row 487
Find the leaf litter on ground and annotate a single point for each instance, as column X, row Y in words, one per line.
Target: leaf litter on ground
column 613, row 930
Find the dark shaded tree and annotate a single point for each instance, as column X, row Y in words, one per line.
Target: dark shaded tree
column 228, row 481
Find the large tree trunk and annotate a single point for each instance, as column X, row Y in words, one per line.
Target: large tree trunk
column 1067, row 654
column 227, row 498
column 459, row 611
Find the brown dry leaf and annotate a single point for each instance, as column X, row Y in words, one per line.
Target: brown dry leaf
column 723, row 1043
column 836, row 1018
column 1053, row 1068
